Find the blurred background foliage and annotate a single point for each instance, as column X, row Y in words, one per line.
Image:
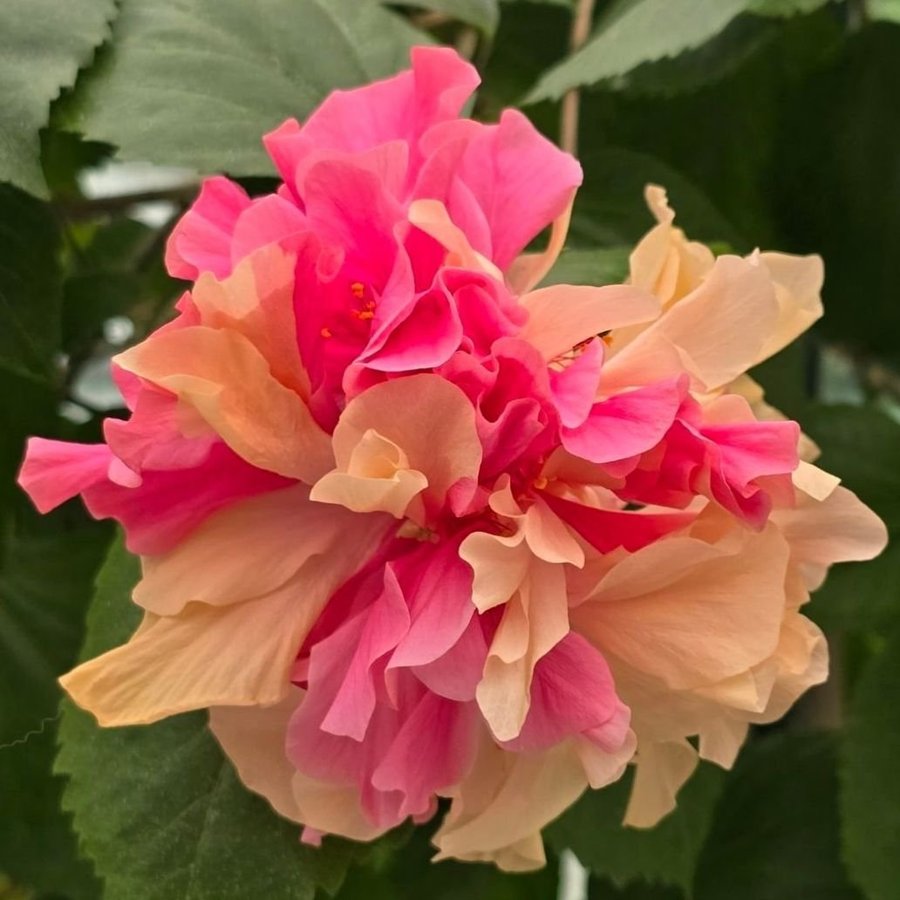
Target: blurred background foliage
column 773, row 123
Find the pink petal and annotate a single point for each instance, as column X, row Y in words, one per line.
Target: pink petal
column 608, row 529
column 572, row 692
column 201, row 241
column 575, row 387
column 626, row 424
column 56, row 471
column 385, row 624
column 399, row 108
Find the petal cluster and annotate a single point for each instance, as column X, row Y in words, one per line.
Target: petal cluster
column 414, row 527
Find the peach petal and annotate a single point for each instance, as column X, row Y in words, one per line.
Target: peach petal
column 715, row 333
column 253, row 739
column 248, row 549
column 662, row 768
column 257, row 300
column 226, row 379
column 534, row 621
column 691, row 613
column 237, row 655
column 440, row 441
column 500, row 808
column 564, row 315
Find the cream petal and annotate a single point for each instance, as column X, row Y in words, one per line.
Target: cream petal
column 235, row 655
column 798, row 286
column 440, row 440
column 534, row 621
column 662, row 768
column 549, row 538
column 508, row 799
column 690, row 613
column 499, row 563
column 715, row 333
column 721, row 740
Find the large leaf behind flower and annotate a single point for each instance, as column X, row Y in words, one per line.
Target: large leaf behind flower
column 159, row 809
column 196, row 83
column 775, row 835
column 42, row 45
column 666, row 854
column 870, row 795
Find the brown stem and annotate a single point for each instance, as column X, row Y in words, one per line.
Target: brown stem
column 571, row 104
column 89, row 207
column 467, row 42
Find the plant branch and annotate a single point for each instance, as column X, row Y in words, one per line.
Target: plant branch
column 571, row 104
column 87, row 208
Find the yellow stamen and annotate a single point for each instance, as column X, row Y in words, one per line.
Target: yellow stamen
column 358, row 289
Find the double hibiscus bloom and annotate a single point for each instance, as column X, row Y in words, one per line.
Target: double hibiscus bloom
column 413, row 526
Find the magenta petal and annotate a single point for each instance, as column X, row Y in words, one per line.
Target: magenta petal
column 609, row 529
column 267, row 220
column 402, row 107
column 201, row 241
column 538, row 182
column 385, row 624
column 432, row 750
column 438, row 589
column 168, row 505
column 425, row 339
column 456, row 674
column 574, row 388
column 627, row 424
column 572, row 692
column 56, row 471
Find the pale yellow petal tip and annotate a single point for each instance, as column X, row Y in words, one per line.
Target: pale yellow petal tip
column 657, row 200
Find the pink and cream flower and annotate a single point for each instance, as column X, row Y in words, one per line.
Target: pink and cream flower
column 413, row 527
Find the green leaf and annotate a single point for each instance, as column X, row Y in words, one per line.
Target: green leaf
column 606, row 265
column 45, row 582
column 694, row 69
column 775, row 833
column 592, row 829
column 411, row 875
column 482, row 14
column 530, row 38
column 610, row 209
column 782, row 8
column 197, row 83
column 602, row 889
column 839, row 159
column 30, row 296
column 159, row 809
column 634, row 33
column 862, row 446
column 886, row 10
column 43, row 43
column 870, row 789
